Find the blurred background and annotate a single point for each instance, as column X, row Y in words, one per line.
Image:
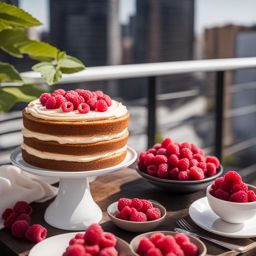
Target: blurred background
column 116, row 32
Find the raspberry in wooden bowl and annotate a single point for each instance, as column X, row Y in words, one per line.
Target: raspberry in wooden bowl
column 136, row 215
column 178, row 167
column 167, row 243
column 231, row 199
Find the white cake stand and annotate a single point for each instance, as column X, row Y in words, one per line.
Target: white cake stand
column 74, row 207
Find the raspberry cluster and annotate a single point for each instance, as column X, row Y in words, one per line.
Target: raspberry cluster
column 159, row 244
column 232, row 188
column 81, row 100
column 93, row 242
column 18, row 220
column 137, row 210
column 177, row 161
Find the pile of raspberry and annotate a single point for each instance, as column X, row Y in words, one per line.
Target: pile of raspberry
column 81, row 100
column 177, row 161
column 232, row 188
column 159, row 244
column 18, row 220
column 137, row 210
column 94, row 242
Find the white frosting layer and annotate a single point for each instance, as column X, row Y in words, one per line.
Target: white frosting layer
column 72, row 139
column 35, row 108
column 70, row 158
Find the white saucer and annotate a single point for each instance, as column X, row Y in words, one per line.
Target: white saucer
column 201, row 213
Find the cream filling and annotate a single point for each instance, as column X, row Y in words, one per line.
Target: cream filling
column 35, row 108
column 72, row 139
column 70, row 158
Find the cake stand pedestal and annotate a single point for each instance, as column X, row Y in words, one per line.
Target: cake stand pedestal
column 73, row 207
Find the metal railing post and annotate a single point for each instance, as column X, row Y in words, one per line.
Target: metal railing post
column 151, row 101
column 219, row 114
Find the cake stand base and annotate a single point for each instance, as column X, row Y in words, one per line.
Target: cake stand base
column 73, row 207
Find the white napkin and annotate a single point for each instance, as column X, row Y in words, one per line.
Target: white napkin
column 15, row 186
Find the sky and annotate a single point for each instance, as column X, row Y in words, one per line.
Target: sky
column 208, row 13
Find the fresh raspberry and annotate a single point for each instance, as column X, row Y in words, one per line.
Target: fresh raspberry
column 107, row 99
column 189, row 249
column 137, row 204
column 107, row 240
column 25, row 217
column 181, row 238
column 196, row 173
column 79, row 236
column 51, row 103
column 149, row 159
column 199, row 157
column 221, row 194
column 202, row 165
column 36, row 233
column 251, row 196
column 10, row 220
column 167, row 244
column 60, row 92
column 166, row 142
column 186, row 153
column 183, row 175
column 155, row 237
column 146, row 205
column 217, row 183
column 67, row 106
column 152, row 170
column 22, row 207
column 239, row 197
column 76, row 241
column 154, row 252
column 194, row 149
column 86, row 94
column 93, row 234
column 241, row 186
column 109, row 251
column 142, row 156
column 172, row 254
column 172, row 149
column 157, row 146
column 77, row 100
column 19, row 228
column 193, row 162
column 44, row 97
column 122, row 202
column 83, row 108
column 137, row 216
column 125, row 213
column 75, row 250
column 92, row 249
column 162, row 171
column 183, row 164
column 152, row 150
column 214, row 160
column 226, row 186
column 92, row 103
column 99, row 94
column 160, row 159
column 153, row 213
column 69, row 96
column 7, row 212
column 144, row 246
column 173, row 173
column 232, row 177
column 161, row 151
column 173, row 160
column 211, row 169
column 101, row 106
column 185, row 145
column 59, row 100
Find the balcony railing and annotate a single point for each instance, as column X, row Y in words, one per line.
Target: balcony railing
column 152, row 71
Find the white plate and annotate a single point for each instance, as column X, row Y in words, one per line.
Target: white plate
column 201, row 213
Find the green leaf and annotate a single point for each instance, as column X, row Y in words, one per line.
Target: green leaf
column 8, row 40
column 38, row 50
column 11, row 95
column 48, row 71
column 69, row 64
column 16, row 16
column 8, row 73
column 4, row 25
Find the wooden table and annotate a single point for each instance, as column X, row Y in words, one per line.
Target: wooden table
column 105, row 190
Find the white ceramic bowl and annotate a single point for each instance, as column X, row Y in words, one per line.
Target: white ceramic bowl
column 135, row 242
column 134, row 226
column 231, row 211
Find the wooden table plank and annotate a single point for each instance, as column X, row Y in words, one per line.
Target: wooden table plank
column 106, row 189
